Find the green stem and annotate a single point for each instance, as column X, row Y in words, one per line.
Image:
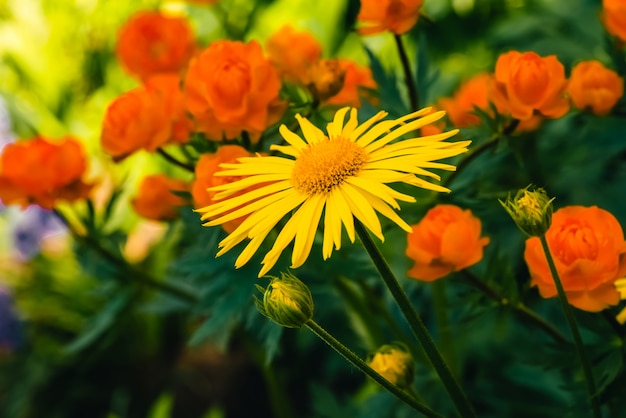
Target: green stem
column 519, row 307
column 357, row 362
column 408, row 74
column 131, row 272
column 440, row 301
column 170, row 158
column 417, row 325
column 571, row 321
column 479, row 150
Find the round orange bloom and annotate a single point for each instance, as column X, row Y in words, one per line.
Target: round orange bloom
column 614, row 17
column 155, row 200
column 41, row 171
column 231, row 87
column 293, row 53
column 147, row 117
column 472, row 93
column 588, row 247
column 526, row 83
column 396, row 16
column 207, row 166
column 152, row 43
column 447, row 239
column 357, row 82
column 594, row 86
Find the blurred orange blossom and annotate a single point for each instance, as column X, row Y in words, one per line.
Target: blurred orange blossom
column 42, row 171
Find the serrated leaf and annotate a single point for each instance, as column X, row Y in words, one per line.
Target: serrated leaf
column 102, row 321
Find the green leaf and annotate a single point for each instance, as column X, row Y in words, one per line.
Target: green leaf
column 101, row 322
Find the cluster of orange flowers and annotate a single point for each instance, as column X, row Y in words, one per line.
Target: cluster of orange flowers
column 529, row 87
column 587, row 244
column 41, row 171
column 232, row 87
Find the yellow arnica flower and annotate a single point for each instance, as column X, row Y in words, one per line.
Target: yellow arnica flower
column 342, row 175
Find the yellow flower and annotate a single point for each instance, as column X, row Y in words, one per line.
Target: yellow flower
column 343, row 175
column 394, row 363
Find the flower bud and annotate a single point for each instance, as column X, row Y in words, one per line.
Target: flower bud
column 531, row 210
column 394, row 363
column 327, row 79
column 286, row 301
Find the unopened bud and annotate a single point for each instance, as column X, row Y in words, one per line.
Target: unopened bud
column 394, row 363
column 531, row 210
column 327, row 79
column 286, row 301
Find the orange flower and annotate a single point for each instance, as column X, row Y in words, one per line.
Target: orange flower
column 207, row 166
column 526, row 83
column 358, row 82
column 396, row 16
column 231, row 87
column 152, row 43
column 147, row 117
column 614, row 17
column 155, row 200
column 41, row 171
column 594, row 86
column 447, row 239
column 293, row 53
column 472, row 93
column 587, row 244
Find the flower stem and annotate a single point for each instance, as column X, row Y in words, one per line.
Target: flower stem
column 519, row 307
column 170, row 158
column 479, row 150
column 131, row 272
column 408, row 74
column 365, row 368
column 571, row 321
column 440, row 301
column 417, row 325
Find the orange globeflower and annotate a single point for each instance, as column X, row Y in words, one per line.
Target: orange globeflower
column 231, row 87
column 614, row 17
column 147, row 117
column 396, row 16
column 293, row 53
column 472, row 93
column 526, row 84
column 588, row 247
column 206, row 168
column 447, row 239
column 155, row 199
column 152, row 43
column 594, row 86
column 42, row 171
column 358, row 82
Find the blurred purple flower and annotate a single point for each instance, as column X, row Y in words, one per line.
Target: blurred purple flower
column 10, row 330
column 31, row 226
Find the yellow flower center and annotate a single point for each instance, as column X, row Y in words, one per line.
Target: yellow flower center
column 325, row 165
column 530, row 205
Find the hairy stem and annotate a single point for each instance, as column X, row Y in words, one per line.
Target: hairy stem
column 571, row 321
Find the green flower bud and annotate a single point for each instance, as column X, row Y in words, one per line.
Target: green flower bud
column 531, row 210
column 394, row 363
column 286, row 301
